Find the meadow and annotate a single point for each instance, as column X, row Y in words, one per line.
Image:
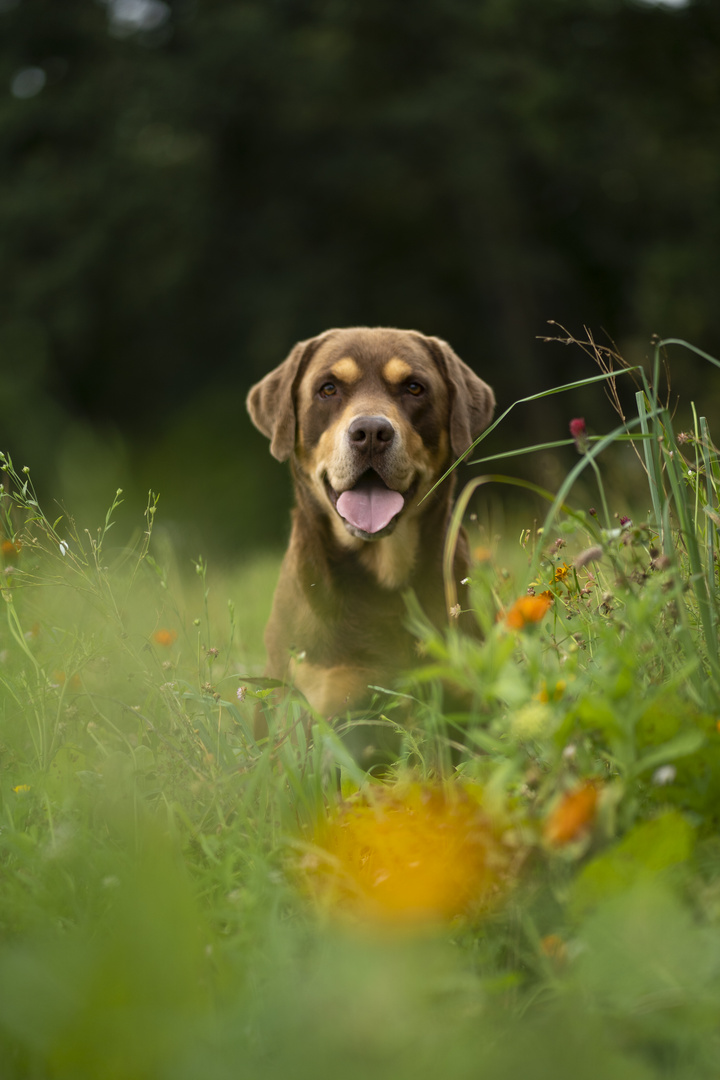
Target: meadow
column 532, row 889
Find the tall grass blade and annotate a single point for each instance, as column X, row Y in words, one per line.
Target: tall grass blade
column 710, row 497
column 525, row 401
column 652, row 465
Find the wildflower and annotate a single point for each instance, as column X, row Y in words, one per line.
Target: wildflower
column 21, row 789
column 412, row 853
column 10, row 551
column 561, row 572
column 591, row 554
column 455, row 611
column 572, row 816
column 531, row 721
column 482, row 554
column 553, row 946
column 664, row 775
column 546, row 694
column 625, row 522
column 241, row 693
column 527, row 610
column 166, row 638
column 64, row 547
column 61, row 678
column 578, row 430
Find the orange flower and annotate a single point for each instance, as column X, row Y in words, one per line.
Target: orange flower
column 10, row 551
column 553, row 946
column 574, row 813
column 482, row 554
column 61, row 678
column 412, row 853
column 526, row 610
column 166, row 638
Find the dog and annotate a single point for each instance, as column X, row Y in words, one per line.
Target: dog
column 370, row 419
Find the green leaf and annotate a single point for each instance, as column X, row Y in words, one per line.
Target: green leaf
column 645, row 852
column 681, row 746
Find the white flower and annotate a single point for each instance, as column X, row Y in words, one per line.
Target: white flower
column 64, row 547
column 664, row 775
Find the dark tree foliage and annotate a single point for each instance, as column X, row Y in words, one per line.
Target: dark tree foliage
column 189, row 193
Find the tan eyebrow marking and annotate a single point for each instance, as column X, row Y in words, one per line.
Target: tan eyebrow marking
column 346, row 369
column 396, row 370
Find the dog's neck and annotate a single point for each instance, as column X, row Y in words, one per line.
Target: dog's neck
column 392, row 559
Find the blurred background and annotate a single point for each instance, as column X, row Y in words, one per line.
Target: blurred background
column 188, row 187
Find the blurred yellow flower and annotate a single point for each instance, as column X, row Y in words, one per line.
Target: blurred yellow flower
column 166, row 638
column 20, row 789
column 546, row 694
column 527, row 610
column 9, row 551
column 411, row 853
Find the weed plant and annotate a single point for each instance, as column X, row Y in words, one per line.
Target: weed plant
column 155, row 915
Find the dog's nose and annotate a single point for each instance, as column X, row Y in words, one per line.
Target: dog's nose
column 372, row 434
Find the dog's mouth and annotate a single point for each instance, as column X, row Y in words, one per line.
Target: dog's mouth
column 370, row 507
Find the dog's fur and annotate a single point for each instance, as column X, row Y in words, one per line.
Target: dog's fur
column 350, row 404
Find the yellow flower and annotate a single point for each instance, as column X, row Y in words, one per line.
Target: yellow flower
column 561, row 572
column 166, row 638
column 20, row 789
column 409, row 853
column 526, row 610
column 9, row 551
column 545, row 694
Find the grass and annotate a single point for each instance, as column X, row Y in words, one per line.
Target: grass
column 535, row 890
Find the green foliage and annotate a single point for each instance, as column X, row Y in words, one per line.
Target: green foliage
column 151, row 924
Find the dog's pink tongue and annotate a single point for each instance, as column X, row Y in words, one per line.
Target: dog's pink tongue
column 370, row 505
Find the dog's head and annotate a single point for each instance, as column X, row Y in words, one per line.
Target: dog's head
column 373, row 417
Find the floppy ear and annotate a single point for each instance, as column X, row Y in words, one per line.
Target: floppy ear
column 472, row 401
column 271, row 402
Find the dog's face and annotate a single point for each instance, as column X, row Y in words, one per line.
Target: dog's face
column 373, row 417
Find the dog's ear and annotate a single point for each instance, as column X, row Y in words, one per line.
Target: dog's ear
column 271, row 402
column 472, row 401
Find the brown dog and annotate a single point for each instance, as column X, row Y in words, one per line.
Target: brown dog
column 370, row 419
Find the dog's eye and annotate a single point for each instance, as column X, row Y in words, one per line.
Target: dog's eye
column 328, row 389
column 415, row 388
